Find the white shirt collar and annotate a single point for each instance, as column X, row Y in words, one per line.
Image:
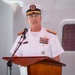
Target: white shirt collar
column 41, row 32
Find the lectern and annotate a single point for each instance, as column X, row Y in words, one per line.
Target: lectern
column 39, row 65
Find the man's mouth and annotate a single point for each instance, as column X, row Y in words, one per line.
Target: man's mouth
column 35, row 22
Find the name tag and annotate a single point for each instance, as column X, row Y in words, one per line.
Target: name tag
column 25, row 42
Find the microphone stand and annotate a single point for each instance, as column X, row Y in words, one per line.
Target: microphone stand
column 9, row 63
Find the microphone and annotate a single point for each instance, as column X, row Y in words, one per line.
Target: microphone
column 23, row 32
column 9, row 63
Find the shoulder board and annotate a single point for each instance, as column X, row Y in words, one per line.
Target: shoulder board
column 20, row 33
column 50, row 31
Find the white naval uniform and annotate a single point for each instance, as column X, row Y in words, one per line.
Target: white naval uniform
column 35, row 48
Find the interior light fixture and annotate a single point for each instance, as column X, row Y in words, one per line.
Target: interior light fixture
column 14, row 1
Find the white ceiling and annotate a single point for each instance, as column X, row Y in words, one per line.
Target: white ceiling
column 57, row 4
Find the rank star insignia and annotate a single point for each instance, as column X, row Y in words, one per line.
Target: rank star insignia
column 44, row 40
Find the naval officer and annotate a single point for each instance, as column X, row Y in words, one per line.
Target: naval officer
column 39, row 41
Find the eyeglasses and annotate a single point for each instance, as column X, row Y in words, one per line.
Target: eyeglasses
column 33, row 15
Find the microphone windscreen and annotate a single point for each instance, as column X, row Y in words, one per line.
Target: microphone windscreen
column 24, row 31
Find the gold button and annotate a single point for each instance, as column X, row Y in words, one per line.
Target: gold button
column 43, row 45
column 43, row 52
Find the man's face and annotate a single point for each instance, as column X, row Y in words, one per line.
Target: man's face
column 34, row 19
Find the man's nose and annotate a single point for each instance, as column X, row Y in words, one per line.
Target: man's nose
column 34, row 17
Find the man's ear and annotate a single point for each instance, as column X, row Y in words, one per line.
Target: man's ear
column 27, row 19
column 41, row 17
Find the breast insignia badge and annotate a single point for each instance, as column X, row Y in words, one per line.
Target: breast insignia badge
column 44, row 40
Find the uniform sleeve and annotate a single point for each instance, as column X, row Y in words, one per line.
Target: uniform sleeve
column 56, row 46
column 15, row 45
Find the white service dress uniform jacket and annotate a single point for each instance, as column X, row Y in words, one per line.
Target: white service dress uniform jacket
column 40, row 43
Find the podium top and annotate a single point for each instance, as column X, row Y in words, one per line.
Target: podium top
column 26, row 61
